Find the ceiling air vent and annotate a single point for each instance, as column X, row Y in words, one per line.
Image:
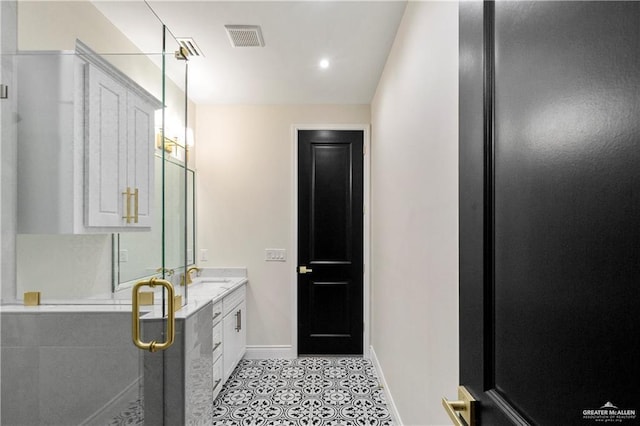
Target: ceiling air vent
column 245, row 35
column 189, row 44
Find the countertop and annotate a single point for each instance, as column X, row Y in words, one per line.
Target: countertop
column 202, row 291
column 210, row 284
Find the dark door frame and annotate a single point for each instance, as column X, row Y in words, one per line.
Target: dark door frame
column 293, row 263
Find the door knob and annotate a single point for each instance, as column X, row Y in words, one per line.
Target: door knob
column 304, row 270
column 464, row 408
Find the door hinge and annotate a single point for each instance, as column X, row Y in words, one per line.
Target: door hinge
column 4, row 91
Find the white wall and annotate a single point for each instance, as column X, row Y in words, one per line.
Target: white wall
column 415, row 214
column 244, row 203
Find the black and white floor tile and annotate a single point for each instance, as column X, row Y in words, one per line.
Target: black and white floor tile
column 314, row 391
column 133, row 415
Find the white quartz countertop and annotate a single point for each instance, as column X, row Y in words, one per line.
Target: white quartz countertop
column 202, row 291
column 210, row 284
column 71, row 306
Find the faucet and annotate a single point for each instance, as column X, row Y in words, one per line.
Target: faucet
column 165, row 271
column 186, row 278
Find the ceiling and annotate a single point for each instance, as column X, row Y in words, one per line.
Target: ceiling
column 355, row 36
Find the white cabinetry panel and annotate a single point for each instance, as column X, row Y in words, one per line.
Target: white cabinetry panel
column 50, row 129
column 105, row 176
column 140, row 170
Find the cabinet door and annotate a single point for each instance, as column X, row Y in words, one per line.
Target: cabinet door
column 235, row 337
column 229, row 343
column 140, row 165
column 105, row 154
column 242, row 333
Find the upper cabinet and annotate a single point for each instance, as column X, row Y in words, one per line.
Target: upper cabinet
column 85, row 145
column 119, row 140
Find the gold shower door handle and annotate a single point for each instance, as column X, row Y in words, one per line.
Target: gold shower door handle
column 463, row 408
column 153, row 346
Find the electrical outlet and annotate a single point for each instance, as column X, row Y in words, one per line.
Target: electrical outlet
column 204, row 255
column 123, row 256
column 275, row 255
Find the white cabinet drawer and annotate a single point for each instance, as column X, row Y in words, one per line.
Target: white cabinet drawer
column 217, row 313
column 234, row 299
column 217, row 341
column 217, row 377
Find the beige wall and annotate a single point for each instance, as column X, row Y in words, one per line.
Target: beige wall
column 415, row 214
column 244, row 192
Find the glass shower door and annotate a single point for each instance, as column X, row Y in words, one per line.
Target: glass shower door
column 67, row 350
column 163, row 404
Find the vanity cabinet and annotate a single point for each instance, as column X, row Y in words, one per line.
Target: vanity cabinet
column 234, row 329
column 181, row 383
column 178, row 381
column 85, row 145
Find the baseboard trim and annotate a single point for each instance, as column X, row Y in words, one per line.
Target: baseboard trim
column 391, row 405
column 270, row 351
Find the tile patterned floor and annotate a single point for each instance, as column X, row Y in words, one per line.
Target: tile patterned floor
column 133, row 415
column 317, row 391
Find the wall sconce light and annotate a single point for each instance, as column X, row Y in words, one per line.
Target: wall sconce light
column 165, row 143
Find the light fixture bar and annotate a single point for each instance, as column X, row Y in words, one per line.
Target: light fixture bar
column 189, row 44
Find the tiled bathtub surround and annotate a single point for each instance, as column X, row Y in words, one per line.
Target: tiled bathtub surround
column 67, row 367
column 300, row 392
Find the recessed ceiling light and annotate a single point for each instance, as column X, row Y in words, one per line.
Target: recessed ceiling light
column 324, row 64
